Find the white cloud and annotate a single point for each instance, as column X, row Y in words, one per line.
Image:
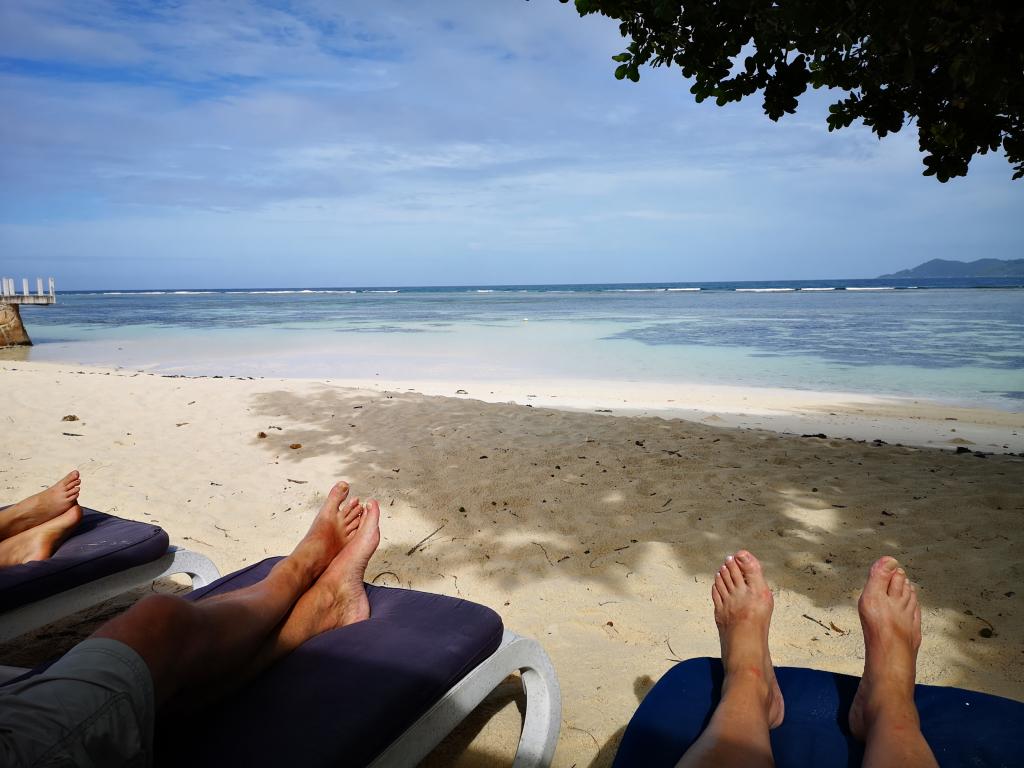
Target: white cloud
column 394, row 128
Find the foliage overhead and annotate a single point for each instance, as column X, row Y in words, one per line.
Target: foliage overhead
column 955, row 67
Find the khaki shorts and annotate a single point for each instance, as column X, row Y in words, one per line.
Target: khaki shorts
column 93, row 707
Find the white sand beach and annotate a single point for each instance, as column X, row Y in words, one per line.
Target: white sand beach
column 596, row 533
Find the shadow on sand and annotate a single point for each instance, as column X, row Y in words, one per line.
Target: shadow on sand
column 516, row 497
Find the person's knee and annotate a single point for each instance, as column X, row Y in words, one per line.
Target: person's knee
column 165, row 614
column 151, row 622
column 165, row 631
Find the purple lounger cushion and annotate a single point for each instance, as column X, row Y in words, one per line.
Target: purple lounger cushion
column 342, row 697
column 101, row 545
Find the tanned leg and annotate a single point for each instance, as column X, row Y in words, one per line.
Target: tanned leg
column 193, row 648
column 40, row 507
column 883, row 714
column 751, row 702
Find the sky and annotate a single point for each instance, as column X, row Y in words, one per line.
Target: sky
column 324, row 143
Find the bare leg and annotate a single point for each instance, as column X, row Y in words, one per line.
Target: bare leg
column 40, row 507
column 193, row 647
column 41, row 541
column 751, row 702
column 883, row 714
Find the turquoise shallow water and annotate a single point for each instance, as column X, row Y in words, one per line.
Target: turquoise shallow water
column 956, row 344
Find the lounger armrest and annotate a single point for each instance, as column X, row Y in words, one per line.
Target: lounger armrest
column 543, row 707
column 198, row 567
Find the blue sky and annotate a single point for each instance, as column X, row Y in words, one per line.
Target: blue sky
column 202, row 144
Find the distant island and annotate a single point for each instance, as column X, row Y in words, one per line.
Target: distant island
column 979, row 268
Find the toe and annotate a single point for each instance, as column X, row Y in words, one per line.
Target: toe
column 734, row 570
column 880, row 574
column 368, row 521
column 897, row 582
column 350, row 510
column 726, row 576
column 716, row 596
column 748, row 563
column 720, row 586
column 753, row 573
column 907, row 594
column 338, row 493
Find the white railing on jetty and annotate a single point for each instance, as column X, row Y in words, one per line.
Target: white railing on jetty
column 9, row 294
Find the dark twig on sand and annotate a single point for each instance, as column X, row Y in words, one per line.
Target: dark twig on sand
column 537, row 544
column 820, row 624
column 675, row 656
column 596, row 742
column 421, row 542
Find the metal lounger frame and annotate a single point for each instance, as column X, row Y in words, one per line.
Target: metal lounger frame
column 543, row 707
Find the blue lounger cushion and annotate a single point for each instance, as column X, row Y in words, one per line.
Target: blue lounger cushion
column 99, row 546
column 345, row 695
column 963, row 728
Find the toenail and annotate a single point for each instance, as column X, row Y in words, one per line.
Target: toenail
column 741, row 558
column 729, row 558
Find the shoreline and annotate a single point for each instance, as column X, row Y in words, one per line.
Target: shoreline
column 854, row 416
column 597, row 536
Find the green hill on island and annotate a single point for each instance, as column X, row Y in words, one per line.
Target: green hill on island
column 978, row 268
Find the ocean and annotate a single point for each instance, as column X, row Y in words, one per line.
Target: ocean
column 950, row 340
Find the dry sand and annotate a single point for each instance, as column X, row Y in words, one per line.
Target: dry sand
column 596, row 534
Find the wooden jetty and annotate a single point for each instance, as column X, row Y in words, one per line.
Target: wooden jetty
column 12, row 330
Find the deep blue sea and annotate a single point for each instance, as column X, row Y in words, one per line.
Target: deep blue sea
column 945, row 339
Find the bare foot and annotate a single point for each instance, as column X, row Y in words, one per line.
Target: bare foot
column 40, row 507
column 743, row 613
column 40, row 541
column 339, row 596
column 332, row 528
column 891, row 618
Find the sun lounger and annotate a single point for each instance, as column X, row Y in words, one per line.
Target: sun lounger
column 382, row 692
column 963, row 728
column 104, row 557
